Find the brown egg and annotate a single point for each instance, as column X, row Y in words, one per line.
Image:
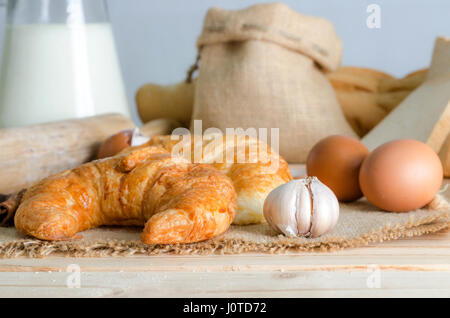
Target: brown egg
column 401, row 175
column 336, row 160
column 115, row 144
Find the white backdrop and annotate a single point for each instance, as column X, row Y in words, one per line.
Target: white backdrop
column 156, row 38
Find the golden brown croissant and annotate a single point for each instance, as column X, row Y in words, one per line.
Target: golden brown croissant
column 255, row 168
column 179, row 202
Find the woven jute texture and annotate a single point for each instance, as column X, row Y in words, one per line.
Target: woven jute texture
column 262, row 67
column 359, row 224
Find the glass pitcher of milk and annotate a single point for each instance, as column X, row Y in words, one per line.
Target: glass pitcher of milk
column 59, row 62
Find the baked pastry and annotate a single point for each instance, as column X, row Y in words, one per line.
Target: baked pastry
column 253, row 166
column 357, row 78
column 177, row 201
column 408, row 83
column 367, row 96
column 444, row 154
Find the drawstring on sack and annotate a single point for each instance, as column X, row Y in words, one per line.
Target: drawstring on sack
column 192, row 69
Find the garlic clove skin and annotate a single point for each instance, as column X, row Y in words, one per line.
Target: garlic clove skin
column 303, row 207
column 325, row 211
column 280, row 199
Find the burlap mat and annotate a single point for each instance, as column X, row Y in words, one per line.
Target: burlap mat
column 359, row 224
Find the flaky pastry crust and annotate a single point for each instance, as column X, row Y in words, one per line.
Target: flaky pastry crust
column 177, row 201
column 253, row 166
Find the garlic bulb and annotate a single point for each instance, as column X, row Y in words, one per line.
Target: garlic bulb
column 303, row 207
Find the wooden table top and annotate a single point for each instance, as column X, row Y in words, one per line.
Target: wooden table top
column 416, row 267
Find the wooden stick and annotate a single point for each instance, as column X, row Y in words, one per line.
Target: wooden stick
column 29, row 154
column 9, row 207
column 159, row 127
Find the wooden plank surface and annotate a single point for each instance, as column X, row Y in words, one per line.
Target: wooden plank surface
column 415, row 267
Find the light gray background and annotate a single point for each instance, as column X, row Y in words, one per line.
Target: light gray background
column 156, row 38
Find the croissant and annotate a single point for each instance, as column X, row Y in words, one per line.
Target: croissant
column 253, row 166
column 177, row 201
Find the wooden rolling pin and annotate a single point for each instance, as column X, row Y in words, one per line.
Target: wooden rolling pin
column 444, row 154
column 172, row 101
column 31, row 153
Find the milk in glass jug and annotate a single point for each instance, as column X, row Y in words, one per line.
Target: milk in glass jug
column 59, row 62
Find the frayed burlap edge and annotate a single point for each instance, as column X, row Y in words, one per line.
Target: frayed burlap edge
column 111, row 248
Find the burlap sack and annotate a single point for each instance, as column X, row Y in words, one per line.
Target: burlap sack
column 262, row 68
